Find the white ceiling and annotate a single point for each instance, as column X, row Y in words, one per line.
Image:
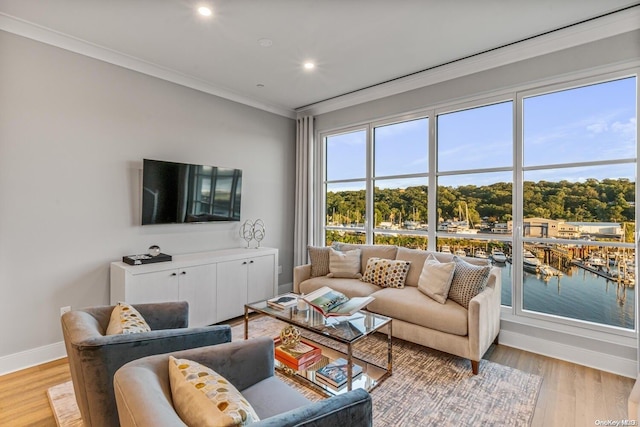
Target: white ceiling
column 355, row 43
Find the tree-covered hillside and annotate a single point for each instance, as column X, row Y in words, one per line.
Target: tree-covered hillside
column 609, row 200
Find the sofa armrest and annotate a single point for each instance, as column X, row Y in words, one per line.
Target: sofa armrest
column 300, row 274
column 353, row 409
column 484, row 316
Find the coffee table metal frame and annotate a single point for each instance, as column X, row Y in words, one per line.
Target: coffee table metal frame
column 363, row 322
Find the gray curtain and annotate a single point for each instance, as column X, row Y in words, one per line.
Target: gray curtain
column 303, row 233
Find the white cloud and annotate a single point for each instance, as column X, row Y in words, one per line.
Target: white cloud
column 598, row 127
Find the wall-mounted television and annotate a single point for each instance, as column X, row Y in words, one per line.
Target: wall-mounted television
column 186, row 193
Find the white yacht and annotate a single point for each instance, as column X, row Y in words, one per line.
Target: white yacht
column 499, row 256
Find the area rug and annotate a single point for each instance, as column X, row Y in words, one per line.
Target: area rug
column 64, row 406
column 427, row 387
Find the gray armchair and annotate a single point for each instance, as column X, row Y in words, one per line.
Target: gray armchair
column 94, row 357
column 143, row 392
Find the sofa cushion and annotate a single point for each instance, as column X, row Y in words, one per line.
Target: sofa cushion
column 349, row 287
column 203, row 397
column 261, row 397
column 411, row 305
column 344, row 264
column 126, row 320
column 435, row 279
column 369, row 251
column 416, row 257
column 319, row 259
column 468, row 280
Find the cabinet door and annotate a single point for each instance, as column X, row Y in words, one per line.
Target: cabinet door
column 231, row 289
column 197, row 286
column 261, row 284
column 159, row 286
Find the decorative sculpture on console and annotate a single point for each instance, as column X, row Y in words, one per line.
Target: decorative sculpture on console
column 250, row 230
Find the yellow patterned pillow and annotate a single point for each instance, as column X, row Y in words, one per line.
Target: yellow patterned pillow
column 202, row 397
column 376, row 271
column 126, row 320
column 387, row 273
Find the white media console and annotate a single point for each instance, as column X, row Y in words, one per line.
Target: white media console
column 216, row 284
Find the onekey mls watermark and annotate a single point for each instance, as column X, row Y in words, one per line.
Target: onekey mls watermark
column 616, row 423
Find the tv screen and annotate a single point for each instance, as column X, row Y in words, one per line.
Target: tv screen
column 179, row 192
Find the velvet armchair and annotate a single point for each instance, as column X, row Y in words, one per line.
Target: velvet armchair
column 144, row 396
column 95, row 357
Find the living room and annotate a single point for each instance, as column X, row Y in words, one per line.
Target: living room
column 77, row 120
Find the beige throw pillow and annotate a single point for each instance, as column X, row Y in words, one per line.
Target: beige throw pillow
column 319, row 258
column 202, row 397
column 435, row 279
column 126, row 320
column 344, row 264
column 468, row 281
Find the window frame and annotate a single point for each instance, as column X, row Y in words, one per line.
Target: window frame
column 515, row 312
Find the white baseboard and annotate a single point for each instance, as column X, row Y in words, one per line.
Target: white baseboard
column 569, row 353
column 28, row 358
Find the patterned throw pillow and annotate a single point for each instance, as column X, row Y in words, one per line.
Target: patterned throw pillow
column 319, row 257
column 344, row 264
column 376, row 271
column 386, row 273
column 396, row 273
column 435, row 279
column 468, row 281
column 202, row 397
column 126, row 320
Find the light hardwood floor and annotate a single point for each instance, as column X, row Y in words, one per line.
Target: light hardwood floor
column 571, row 395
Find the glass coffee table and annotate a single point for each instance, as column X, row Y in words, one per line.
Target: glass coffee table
column 344, row 329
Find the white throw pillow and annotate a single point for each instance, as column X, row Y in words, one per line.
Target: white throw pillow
column 435, row 279
column 344, row 264
column 204, row 398
column 126, row 320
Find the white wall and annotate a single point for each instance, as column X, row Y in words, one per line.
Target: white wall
column 73, row 133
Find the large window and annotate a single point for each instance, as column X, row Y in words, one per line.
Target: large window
column 579, row 174
column 475, row 184
column 542, row 183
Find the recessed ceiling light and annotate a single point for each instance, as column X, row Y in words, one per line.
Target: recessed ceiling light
column 204, row 11
column 265, row 42
column 309, row 65
column 260, row 85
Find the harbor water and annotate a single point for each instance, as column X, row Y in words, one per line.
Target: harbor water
column 577, row 294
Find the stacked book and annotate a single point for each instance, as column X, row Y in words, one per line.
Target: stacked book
column 300, row 357
column 283, row 301
column 335, row 373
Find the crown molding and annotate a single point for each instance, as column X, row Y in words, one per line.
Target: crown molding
column 586, row 32
column 42, row 34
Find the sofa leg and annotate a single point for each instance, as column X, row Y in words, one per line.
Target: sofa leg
column 475, row 366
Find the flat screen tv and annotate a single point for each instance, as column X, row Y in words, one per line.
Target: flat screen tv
column 180, row 193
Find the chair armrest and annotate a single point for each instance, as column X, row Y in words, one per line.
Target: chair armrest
column 484, row 316
column 353, row 409
column 300, row 274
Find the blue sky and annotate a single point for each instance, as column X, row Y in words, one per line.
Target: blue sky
column 596, row 122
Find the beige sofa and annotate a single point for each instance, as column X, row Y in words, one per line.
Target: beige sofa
column 417, row 318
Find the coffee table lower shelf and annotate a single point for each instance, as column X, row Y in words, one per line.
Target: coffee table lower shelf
column 372, row 374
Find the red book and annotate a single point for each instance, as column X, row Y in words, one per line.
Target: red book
column 300, row 357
